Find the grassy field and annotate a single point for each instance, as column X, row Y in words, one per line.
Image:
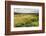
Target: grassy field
column 26, row 20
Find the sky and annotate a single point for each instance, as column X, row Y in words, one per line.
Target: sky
column 26, row 10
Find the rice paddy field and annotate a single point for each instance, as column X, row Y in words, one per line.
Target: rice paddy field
column 26, row 20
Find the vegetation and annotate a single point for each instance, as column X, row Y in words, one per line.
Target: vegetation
column 26, row 20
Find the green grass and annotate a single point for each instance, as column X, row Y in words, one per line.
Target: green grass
column 26, row 20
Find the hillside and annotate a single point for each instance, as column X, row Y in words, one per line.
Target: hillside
column 26, row 20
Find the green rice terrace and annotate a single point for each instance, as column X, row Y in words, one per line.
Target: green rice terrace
column 26, row 20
